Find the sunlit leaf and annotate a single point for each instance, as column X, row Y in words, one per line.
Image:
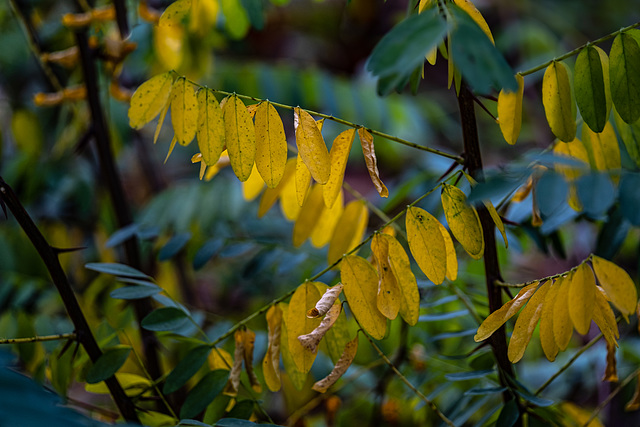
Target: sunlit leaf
column 271, row 144
column 582, row 298
column 510, row 111
column 624, row 60
column 311, row 147
column 240, row 137
column 592, row 87
column 149, row 100
column 526, row 323
column 366, row 141
column 617, row 284
column 184, row 111
column 557, row 98
column 339, row 155
column 427, row 243
column 210, row 133
column 349, row 230
column 298, row 324
column 463, row 220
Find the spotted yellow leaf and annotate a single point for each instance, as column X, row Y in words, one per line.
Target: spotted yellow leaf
column 149, row 100
column 427, row 243
column 311, row 147
column 463, row 220
column 240, row 137
column 510, row 111
column 184, row 111
column 271, row 144
column 210, row 131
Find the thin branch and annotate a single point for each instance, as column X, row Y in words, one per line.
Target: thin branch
column 121, row 18
column 613, row 394
column 58, row 337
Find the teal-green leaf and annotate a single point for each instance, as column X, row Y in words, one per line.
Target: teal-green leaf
column 596, row 193
column 591, row 84
column 165, row 319
column 186, row 368
column 508, row 415
column 472, row 375
column 624, row 61
column 403, row 49
column 174, row 246
column 630, row 197
column 108, row 364
column 116, row 269
column 203, row 393
column 481, row 64
column 136, row 291
column 234, row 422
column 630, row 134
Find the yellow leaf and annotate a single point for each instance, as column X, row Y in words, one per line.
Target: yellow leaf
column 132, row 384
column 401, row 267
column 223, row 162
column 578, row 415
column 427, row 244
column 163, row 114
column 240, row 136
column 271, row 144
column 452, row 260
column 298, row 324
column 149, row 100
column 562, row 325
column 360, row 282
column 203, row 16
column 168, row 36
column 349, row 230
column 547, row 339
column 271, row 361
column 557, row 98
column 602, row 147
column 303, row 180
column 252, row 187
column 366, row 140
column 210, row 132
column 156, row 419
column 321, row 234
column 297, row 377
column 617, row 284
column 605, row 319
column 389, row 296
column 289, row 196
column 510, row 112
column 340, row 368
column 463, row 221
column 339, row 156
column 475, row 14
column 498, row 318
column 575, row 150
column 424, row 4
column 311, row 147
column 271, row 194
column 171, row 147
column 184, row 111
column 492, row 211
column 526, row 323
column 310, row 213
column 582, row 298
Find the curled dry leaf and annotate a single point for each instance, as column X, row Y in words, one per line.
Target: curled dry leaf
column 611, row 372
column 271, row 362
column 366, row 140
column 341, row 367
column 249, row 344
column 311, row 340
column 326, row 302
column 231, row 389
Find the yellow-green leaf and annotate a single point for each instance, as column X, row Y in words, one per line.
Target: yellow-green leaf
column 452, row 259
column 475, row 14
column 311, row 147
column 547, row 339
column 240, row 137
column 271, row 144
column 309, row 215
column 349, row 230
column 582, row 298
column 510, row 111
column 526, row 323
column 562, row 325
column 271, row 361
column 499, row 317
column 617, row 284
column 401, row 267
column 169, row 34
column 149, row 100
column 303, row 180
column 210, row 132
column 497, row 221
column 427, row 244
column 252, row 187
column 389, row 296
column 463, row 220
column 297, row 377
column 321, row 234
column 360, row 281
column 370, row 159
column 271, row 194
column 625, row 77
column 592, row 88
column 339, row 155
column 298, row 323
column 184, row 111
column 163, row 114
column 557, row 98
column 602, row 147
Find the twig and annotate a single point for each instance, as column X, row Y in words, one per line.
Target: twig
column 70, row 336
column 613, row 394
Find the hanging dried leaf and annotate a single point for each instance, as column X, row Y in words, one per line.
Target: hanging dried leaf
column 231, row 389
column 366, row 140
column 249, row 344
column 271, row 361
column 339, row 156
column 340, row 368
column 326, row 302
column 611, row 372
column 311, row 340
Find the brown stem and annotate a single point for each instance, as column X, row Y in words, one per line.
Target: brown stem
column 82, row 330
column 121, row 18
column 110, row 174
column 473, row 163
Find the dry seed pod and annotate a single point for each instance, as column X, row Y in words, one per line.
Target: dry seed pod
column 311, row 340
column 231, row 389
column 326, row 302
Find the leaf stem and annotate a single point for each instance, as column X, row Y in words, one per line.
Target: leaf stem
column 71, row 336
column 613, row 394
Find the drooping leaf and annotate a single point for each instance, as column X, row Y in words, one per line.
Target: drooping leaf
column 270, row 196
column 249, row 346
column 165, row 319
column 149, row 99
column 624, row 60
column 322, row 232
column 184, row 111
column 136, row 292
column 617, row 284
column 360, row 281
column 240, row 137
column 557, row 98
column 401, row 266
column 311, row 147
column 630, row 135
column 340, row 368
column 338, row 336
column 605, row 319
column 366, row 141
column 526, row 323
column 475, row 14
column 233, row 383
column 339, row 156
column 210, row 132
column 389, row 295
column 349, row 230
column 271, row 144
column 547, row 339
column 271, row 361
column 289, row 194
column 311, row 341
column 452, row 259
column 298, row 324
column 186, row 368
column 592, row 87
column 427, row 243
column 116, row 269
column 253, row 186
column 602, row 148
column 210, row 386
column 463, row 220
column 582, row 298
column 562, row 325
column 108, row 364
column 297, row 377
column 303, row 181
column 510, row 111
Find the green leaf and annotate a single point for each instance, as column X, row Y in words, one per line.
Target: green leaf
column 255, row 11
column 630, row 135
column 236, row 19
column 481, row 64
column 136, row 291
column 591, row 86
column 108, row 364
column 174, row 246
column 625, row 77
column 241, row 411
column 116, row 269
column 204, row 392
column 122, row 235
column 538, row 401
column 165, row 319
column 508, row 415
column 186, row 368
column 463, row 376
column 403, row 49
column 484, row 391
column 189, row 422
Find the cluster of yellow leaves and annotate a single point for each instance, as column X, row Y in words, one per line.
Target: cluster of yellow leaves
column 564, row 302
